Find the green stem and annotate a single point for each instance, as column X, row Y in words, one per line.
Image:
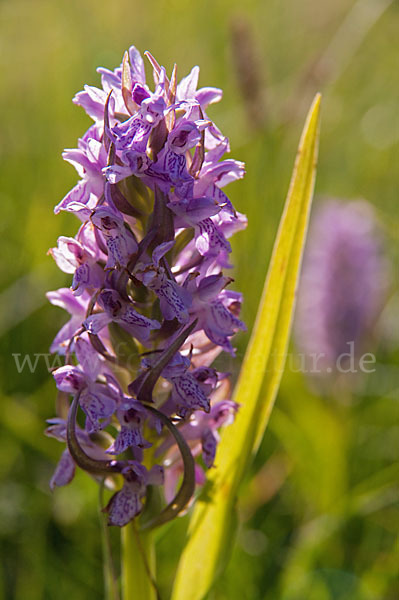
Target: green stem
column 138, row 564
column 110, row 580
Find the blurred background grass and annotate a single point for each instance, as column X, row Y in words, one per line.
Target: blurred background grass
column 319, row 514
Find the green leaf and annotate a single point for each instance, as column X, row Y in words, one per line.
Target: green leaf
column 213, row 516
column 187, row 487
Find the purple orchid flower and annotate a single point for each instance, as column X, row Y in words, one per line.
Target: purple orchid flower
column 88, row 159
column 98, row 400
column 174, row 299
column 346, row 270
column 126, row 503
column 120, row 241
column 65, row 470
column 73, row 256
column 118, row 310
column 76, row 307
column 147, row 302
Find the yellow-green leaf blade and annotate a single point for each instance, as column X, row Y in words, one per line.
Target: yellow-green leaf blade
column 214, row 512
column 276, row 361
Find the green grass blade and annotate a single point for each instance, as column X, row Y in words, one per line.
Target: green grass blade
column 264, row 361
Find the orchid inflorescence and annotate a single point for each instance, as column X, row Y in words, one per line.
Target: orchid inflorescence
column 149, row 304
column 344, row 285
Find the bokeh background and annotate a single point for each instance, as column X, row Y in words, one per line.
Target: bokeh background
column 318, row 515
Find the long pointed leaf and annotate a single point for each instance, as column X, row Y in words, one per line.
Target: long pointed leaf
column 262, row 368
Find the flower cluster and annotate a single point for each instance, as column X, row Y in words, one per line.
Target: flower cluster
column 344, row 282
column 149, row 304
